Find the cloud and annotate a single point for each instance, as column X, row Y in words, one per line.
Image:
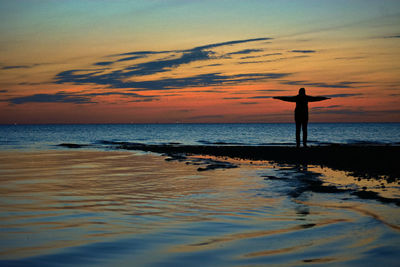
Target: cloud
column 342, row 95
column 214, row 65
column 392, row 36
column 271, row 90
column 210, row 65
column 208, row 91
column 233, row 98
column 250, row 62
column 272, row 54
column 141, row 53
column 341, row 111
column 245, row 51
column 60, row 97
column 358, row 111
column 271, row 60
column 349, row 58
column 248, row 103
column 16, row 67
column 206, row 117
column 328, row 107
column 119, row 78
column 119, row 93
column 22, row 66
column 130, row 58
column 142, row 100
column 63, row 97
column 345, row 84
column 103, row 63
column 158, row 66
column 303, row 51
column 232, row 43
column 250, row 57
column 200, row 53
column 259, row 97
column 337, row 109
column 265, row 55
column 3, row 91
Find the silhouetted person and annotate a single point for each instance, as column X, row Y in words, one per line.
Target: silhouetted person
column 301, row 111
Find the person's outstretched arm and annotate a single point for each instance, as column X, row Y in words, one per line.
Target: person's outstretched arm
column 316, row 98
column 286, row 98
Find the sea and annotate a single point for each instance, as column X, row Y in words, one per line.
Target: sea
column 102, row 206
column 46, row 136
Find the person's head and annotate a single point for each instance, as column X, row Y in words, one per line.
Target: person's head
column 302, row 91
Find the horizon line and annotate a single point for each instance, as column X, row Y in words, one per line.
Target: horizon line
column 171, row 123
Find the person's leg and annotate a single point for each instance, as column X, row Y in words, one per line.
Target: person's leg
column 304, row 126
column 298, row 126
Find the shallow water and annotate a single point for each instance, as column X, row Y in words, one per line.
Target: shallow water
column 119, row 208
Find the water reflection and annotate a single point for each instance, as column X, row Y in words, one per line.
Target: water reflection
column 77, row 204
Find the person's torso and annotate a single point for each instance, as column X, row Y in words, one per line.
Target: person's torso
column 301, row 104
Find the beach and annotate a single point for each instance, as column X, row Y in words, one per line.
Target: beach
column 84, row 206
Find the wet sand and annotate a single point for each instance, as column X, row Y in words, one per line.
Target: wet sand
column 376, row 162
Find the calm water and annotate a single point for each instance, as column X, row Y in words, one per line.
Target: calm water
column 114, row 208
column 121, row 209
column 41, row 136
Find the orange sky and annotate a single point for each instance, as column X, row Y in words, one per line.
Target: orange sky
column 188, row 61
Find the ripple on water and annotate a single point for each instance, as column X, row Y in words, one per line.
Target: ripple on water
column 110, row 208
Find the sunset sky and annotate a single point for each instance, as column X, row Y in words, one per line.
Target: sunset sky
column 167, row 61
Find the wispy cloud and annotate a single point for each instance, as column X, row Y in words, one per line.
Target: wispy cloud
column 19, row 66
column 261, row 56
column 303, row 51
column 140, row 53
column 349, row 58
column 272, row 54
column 327, row 107
column 119, row 78
column 271, row 60
column 209, row 65
column 248, row 103
column 245, row 52
column 345, row 84
column 11, row 67
column 340, row 111
column 233, row 98
column 64, row 97
column 271, row 90
column 103, row 63
column 392, row 36
column 16, row 67
column 60, row 97
column 343, row 95
column 130, row 58
column 233, row 43
column 206, row 117
column 259, row 97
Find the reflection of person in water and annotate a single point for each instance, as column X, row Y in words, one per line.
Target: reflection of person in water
column 301, row 111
